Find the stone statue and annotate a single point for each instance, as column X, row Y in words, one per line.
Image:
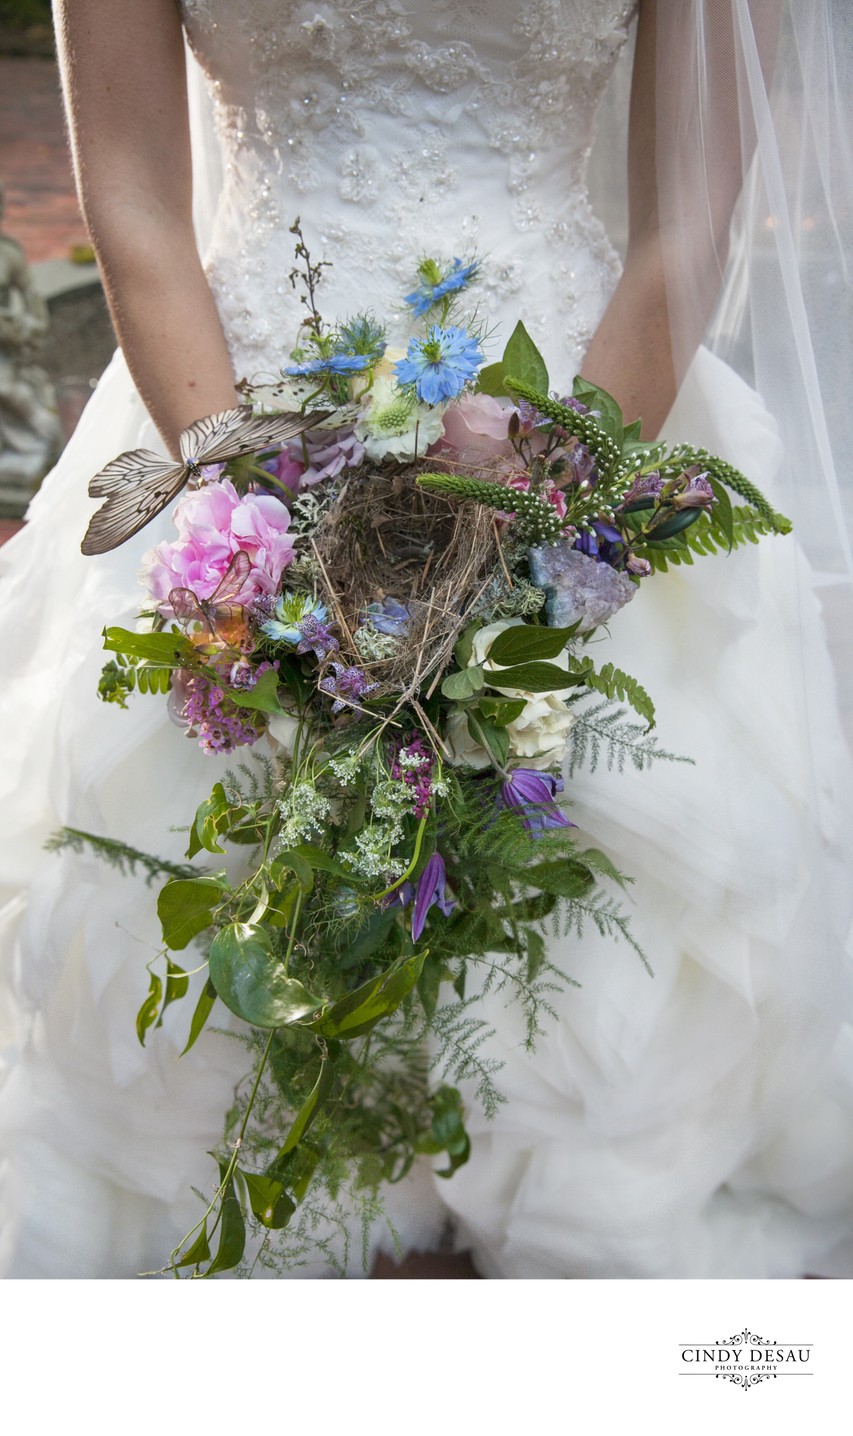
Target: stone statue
column 30, row 434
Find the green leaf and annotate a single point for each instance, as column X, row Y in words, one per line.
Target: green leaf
column 495, row 740
column 293, row 861
column 321, row 861
column 171, row 649
column 534, row 678
column 602, row 864
column 198, row 1252
column 147, row 1014
column 463, row 684
column 429, row 984
column 177, row 984
column 312, row 1104
column 263, row 698
column 603, row 406
column 565, row 879
column 212, row 818
column 447, row 1133
column 360, row 1010
column 526, row 643
column 270, row 1204
column 723, row 515
column 491, row 380
column 501, row 711
column 522, row 360
column 185, row 908
column 632, row 435
column 465, row 644
column 251, row 979
column 203, row 1008
column 232, row 1229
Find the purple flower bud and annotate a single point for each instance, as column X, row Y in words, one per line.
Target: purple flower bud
column 532, row 794
column 430, row 893
column 697, row 494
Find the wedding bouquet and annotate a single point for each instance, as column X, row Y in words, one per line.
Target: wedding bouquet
column 395, row 612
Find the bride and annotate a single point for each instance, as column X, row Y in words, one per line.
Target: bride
column 694, row 1124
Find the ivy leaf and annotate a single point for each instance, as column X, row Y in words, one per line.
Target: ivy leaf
column 203, row 1009
column 525, row 643
column 185, row 908
column 463, row 684
column 263, row 698
column 360, row 1010
column 251, row 979
column 147, row 1014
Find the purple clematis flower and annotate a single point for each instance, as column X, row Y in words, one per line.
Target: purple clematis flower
column 431, row 891
column 399, row 897
column 532, row 794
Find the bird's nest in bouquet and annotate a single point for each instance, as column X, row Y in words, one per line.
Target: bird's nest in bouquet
column 384, row 538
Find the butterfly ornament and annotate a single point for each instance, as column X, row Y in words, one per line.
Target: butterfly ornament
column 139, row 484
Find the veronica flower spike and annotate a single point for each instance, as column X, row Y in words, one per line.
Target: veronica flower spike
column 431, row 892
column 532, row 794
column 439, row 366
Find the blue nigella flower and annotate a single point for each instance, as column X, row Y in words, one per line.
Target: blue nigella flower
column 439, row 366
column 389, row 617
column 361, row 335
column 532, row 794
column 431, row 892
column 291, row 609
column 428, row 293
column 328, row 364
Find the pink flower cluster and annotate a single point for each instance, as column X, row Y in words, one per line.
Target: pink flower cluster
column 215, row 522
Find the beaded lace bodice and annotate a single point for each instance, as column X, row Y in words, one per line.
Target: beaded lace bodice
column 398, row 128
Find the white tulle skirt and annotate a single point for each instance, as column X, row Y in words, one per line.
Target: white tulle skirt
column 697, row 1123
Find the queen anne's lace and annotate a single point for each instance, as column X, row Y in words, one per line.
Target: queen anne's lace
column 448, row 127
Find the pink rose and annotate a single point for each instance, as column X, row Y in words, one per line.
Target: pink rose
column 475, row 426
column 213, row 524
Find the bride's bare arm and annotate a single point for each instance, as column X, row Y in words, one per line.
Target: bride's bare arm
column 685, row 167
column 123, row 76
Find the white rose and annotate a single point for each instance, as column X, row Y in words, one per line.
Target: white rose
column 539, row 734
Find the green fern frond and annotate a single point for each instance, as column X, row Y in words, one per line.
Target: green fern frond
column 601, row 732
column 120, row 856
column 613, row 683
column 683, row 457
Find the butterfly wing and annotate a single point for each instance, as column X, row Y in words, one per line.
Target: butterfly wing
column 239, row 431
column 233, row 579
column 136, row 486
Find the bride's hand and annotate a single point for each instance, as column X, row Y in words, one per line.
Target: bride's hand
column 124, row 80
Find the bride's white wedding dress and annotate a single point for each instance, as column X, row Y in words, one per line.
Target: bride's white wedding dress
column 693, row 1124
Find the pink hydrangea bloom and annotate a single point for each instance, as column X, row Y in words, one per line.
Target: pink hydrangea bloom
column 213, row 524
column 477, row 425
